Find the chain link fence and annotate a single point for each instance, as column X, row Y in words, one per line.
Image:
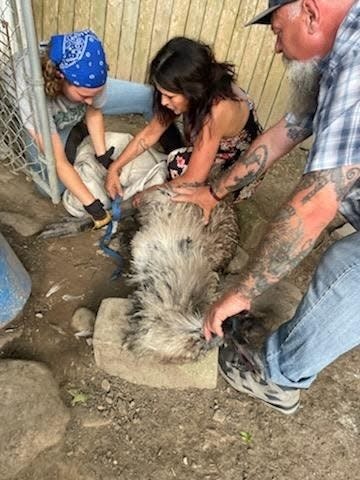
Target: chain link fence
column 22, row 99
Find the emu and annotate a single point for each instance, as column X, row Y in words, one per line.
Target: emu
column 174, row 270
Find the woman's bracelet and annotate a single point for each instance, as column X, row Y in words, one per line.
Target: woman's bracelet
column 213, row 194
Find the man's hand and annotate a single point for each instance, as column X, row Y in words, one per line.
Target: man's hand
column 200, row 196
column 112, row 182
column 229, row 304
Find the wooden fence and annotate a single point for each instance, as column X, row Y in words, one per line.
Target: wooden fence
column 133, row 30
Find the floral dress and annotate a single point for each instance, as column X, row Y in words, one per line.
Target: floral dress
column 230, row 148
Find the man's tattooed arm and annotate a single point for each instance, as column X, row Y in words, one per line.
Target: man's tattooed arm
column 293, row 232
column 295, row 131
column 263, row 152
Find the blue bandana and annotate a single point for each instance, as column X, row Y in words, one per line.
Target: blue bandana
column 80, row 57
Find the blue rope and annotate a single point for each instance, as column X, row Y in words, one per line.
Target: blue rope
column 106, row 239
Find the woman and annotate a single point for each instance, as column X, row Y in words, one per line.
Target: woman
column 77, row 89
column 219, row 119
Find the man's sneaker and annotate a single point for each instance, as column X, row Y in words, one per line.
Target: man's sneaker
column 244, row 371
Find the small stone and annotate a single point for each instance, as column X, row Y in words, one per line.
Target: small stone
column 185, row 461
column 94, row 421
column 109, row 400
column 343, row 231
column 39, row 315
column 219, row 416
column 83, row 320
column 101, row 408
column 105, row 385
column 122, row 408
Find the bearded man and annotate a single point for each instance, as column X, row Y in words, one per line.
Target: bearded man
column 320, row 41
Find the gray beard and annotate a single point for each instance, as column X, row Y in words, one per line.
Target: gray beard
column 304, row 80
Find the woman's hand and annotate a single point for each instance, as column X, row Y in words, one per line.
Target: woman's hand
column 200, row 196
column 112, row 182
column 229, row 304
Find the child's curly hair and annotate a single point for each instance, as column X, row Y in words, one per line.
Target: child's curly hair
column 52, row 79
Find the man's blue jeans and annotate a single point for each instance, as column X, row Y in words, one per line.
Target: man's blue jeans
column 326, row 323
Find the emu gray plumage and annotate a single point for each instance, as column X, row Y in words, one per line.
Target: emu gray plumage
column 175, row 260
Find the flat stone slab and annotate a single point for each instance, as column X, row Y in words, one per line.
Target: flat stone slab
column 113, row 359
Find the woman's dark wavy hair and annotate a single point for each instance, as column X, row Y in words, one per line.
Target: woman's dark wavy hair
column 188, row 67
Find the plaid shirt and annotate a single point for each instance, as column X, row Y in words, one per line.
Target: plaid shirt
column 336, row 124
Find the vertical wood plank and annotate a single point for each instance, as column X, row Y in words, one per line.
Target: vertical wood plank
column 211, row 21
column 127, row 39
column 143, row 40
column 247, row 10
column 250, row 57
column 195, row 19
column 97, row 17
column 262, row 66
column 225, row 29
column 82, row 14
column 270, row 89
column 66, row 16
column 114, row 12
column 37, row 6
column 178, row 18
column 278, row 109
column 161, row 25
column 50, row 18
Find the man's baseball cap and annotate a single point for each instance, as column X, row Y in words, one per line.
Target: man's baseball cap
column 265, row 16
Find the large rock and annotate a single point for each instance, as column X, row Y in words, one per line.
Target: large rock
column 24, row 225
column 32, row 415
column 278, row 303
column 112, row 358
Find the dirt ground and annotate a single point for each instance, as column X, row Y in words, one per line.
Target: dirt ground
column 138, row 433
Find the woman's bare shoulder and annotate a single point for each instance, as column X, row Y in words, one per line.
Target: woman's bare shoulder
column 232, row 115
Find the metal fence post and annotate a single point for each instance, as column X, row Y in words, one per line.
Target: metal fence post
column 26, row 14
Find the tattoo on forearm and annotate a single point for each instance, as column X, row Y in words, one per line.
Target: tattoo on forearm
column 341, row 179
column 288, row 241
column 190, row 184
column 296, row 133
column 281, row 250
column 255, row 165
